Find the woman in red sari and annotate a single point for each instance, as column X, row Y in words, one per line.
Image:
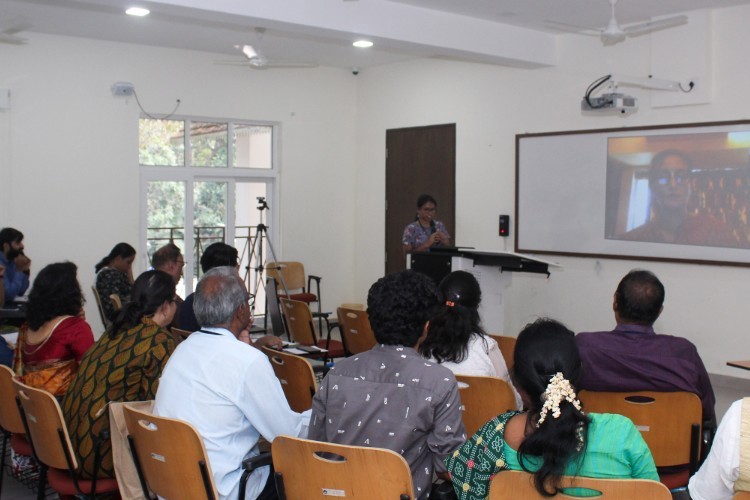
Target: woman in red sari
column 56, row 336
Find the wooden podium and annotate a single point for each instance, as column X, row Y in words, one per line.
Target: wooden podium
column 493, row 271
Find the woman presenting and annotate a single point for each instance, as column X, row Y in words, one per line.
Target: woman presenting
column 425, row 232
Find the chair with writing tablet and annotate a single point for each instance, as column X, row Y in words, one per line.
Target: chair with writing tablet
column 296, row 377
column 299, row 324
column 356, row 332
column 311, row 470
column 519, row 485
column 171, row 459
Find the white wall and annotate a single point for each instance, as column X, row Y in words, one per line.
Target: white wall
column 489, row 106
column 69, row 176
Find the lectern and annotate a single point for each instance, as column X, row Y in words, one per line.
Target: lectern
column 492, row 270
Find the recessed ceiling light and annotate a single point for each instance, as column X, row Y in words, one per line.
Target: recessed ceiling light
column 363, row 44
column 137, row 11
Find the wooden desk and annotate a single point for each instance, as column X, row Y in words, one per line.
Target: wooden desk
column 745, row 365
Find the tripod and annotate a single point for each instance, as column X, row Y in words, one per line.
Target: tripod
column 256, row 255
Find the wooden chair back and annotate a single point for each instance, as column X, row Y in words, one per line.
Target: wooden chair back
column 355, row 330
column 669, row 421
column 482, row 399
column 299, row 321
column 741, row 495
column 293, row 274
column 519, row 485
column 354, row 305
column 507, row 346
column 105, row 321
column 48, row 432
column 170, row 456
column 296, row 376
column 303, row 470
column 116, row 301
column 10, row 418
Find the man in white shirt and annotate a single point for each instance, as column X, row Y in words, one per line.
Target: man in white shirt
column 716, row 477
column 227, row 389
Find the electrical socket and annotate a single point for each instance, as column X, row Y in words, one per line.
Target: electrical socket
column 122, row 88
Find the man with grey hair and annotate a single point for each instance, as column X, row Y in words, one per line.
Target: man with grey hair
column 227, row 389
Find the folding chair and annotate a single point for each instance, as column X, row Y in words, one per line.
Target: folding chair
column 519, row 485
column 51, row 447
column 296, row 377
column 670, row 423
column 314, row 470
column 171, row 460
column 482, row 399
column 356, row 332
column 290, row 282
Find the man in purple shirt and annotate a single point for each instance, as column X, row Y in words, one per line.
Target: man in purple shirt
column 632, row 357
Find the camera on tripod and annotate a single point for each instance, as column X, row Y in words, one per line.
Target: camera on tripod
column 262, row 204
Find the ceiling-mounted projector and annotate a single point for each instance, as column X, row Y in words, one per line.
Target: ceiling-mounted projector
column 621, row 103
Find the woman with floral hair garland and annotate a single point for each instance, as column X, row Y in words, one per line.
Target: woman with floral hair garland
column 553, row 437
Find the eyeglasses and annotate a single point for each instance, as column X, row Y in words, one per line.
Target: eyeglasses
column 678, row 176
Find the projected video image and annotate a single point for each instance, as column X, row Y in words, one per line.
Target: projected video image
column 685, row 189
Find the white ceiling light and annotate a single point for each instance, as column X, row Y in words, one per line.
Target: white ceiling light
column 363, row 44
column 137, row 11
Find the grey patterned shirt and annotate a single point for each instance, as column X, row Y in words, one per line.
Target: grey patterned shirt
column 391, row 397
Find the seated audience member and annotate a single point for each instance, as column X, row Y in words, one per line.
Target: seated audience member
column 17, row 266
column 6, row 353
column 114, row 274
column 632, row 357
column 56, row 336
column 455, row 339
column 2, row 284
column 389, row 397
column 723, row 471
column 123, row 365
column 227, row 389
column 170, row 260
column 221, row 255
column 554, row 437
column 216, row 255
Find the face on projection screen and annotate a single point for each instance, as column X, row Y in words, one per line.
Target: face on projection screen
column 685, row 189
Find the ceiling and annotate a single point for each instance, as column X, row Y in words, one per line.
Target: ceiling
column 509, row 32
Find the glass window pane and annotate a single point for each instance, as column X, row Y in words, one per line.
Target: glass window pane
column 209, row 216
column 161, row 142
column 253, row 145
column 208, row 144
column 166, row 218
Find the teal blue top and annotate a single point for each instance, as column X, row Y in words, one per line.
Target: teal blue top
column 615, row 449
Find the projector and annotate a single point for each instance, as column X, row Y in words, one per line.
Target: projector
column 611, row 102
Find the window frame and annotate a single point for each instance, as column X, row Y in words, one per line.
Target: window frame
column 231, row 175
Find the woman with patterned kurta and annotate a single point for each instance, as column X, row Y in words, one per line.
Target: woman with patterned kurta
column 114, row 275
column 553, row 437
column 123, row 365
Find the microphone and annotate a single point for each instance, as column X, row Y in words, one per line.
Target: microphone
column 432, row 227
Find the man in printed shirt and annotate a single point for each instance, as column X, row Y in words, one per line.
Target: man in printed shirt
column 390, row 397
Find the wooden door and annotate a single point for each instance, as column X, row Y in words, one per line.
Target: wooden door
column 419, row 160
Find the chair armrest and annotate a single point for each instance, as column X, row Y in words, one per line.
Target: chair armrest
column 261, row 460
column 321, row 314
column 316, row 279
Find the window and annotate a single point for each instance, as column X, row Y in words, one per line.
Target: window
column 201, row 182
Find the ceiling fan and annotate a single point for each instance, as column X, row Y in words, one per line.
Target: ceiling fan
column 614, row 32
column 8, row 35
column 256, row 60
